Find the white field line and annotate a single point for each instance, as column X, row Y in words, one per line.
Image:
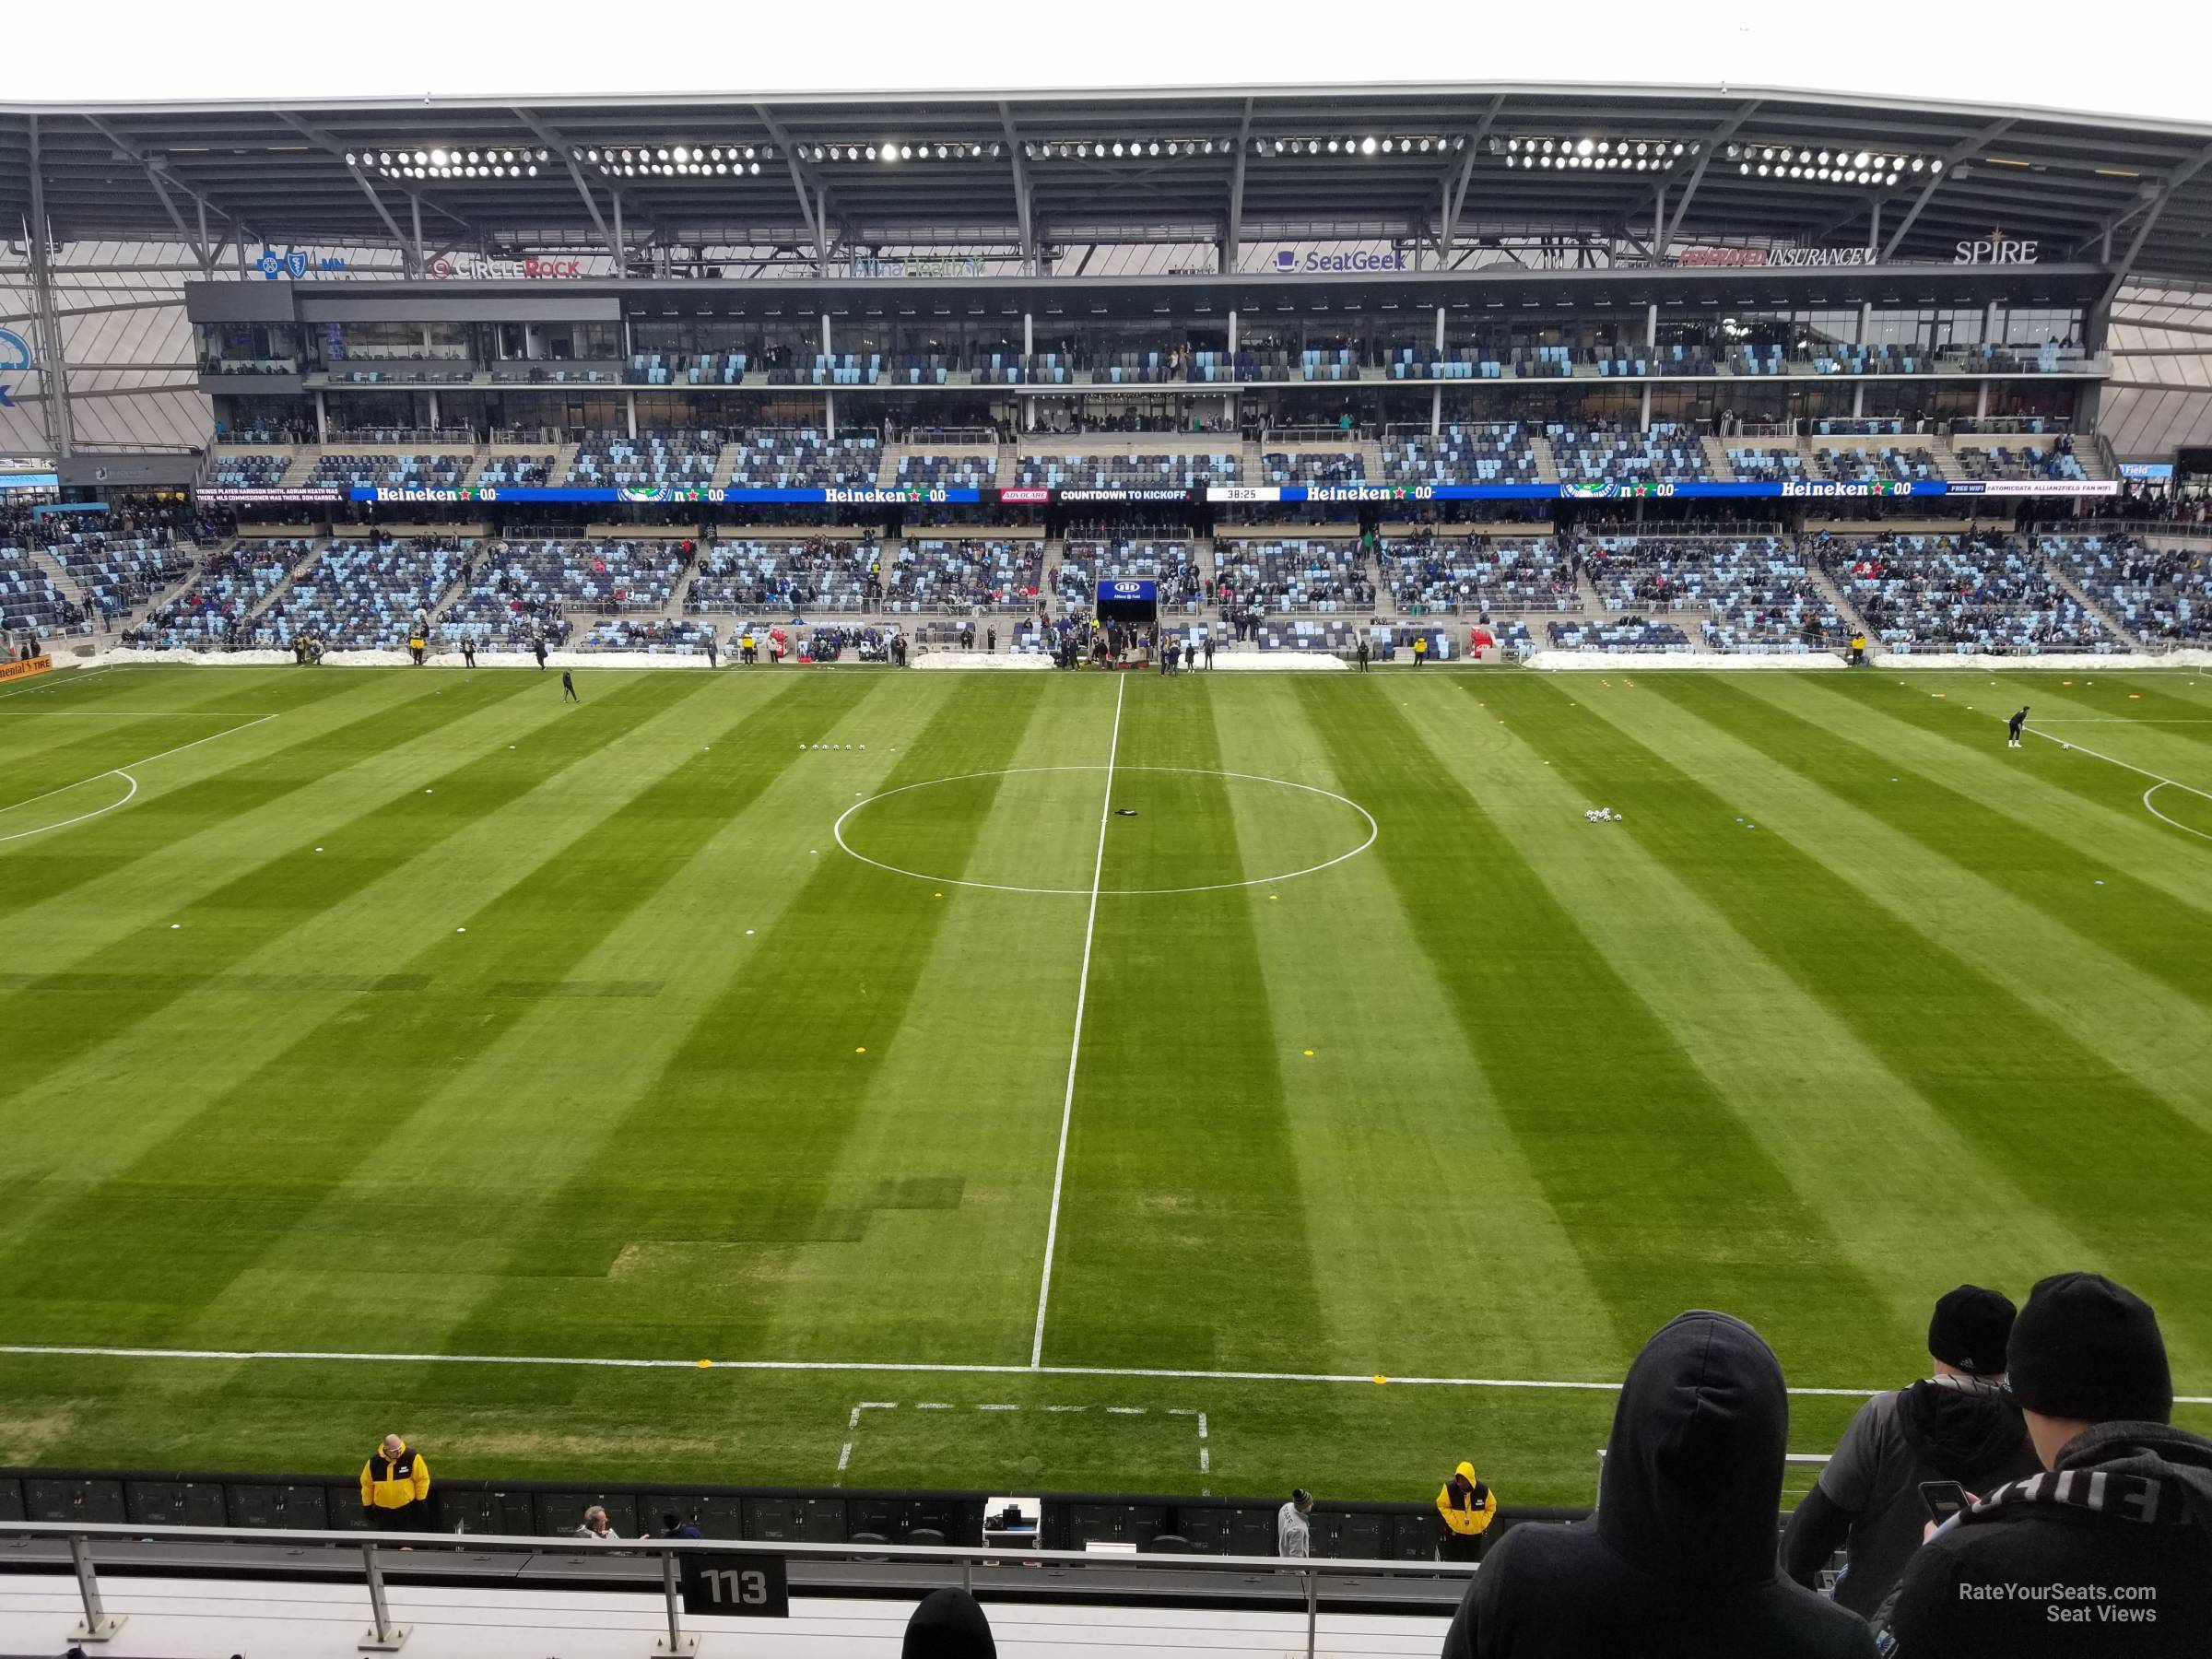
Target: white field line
column 341, row 1357
column 124, row 771
column 844, row 1455
column 159, row 713
column 2162, row 780
column 40, row 684
column 81, row 816
column 1075, row 1047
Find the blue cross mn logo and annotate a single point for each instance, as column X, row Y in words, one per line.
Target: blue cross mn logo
column 273, row 264
column 15, row 358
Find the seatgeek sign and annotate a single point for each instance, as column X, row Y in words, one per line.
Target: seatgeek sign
column 1332, row 262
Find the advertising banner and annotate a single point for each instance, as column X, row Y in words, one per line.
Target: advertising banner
column 24, row 668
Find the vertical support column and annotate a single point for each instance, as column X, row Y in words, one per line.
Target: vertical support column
column 383, row 1636
column 1659, row 224
column 1874, row 231
column 1981, row 399
column 321, row 417
column 422, row 258
column 629, row 408
column 435, row 422
column 621, row 247
column 1651, row 328
column 829, row 414
column 1439, row 329
column 99, row 1624
column 1865, row 322
column 825, row 333
column 1645, row 417
column 1988, row 323
column 1028, row 334
column 1858, row 399
column 1436, row 409
column 676, row 1645
column 1232, row 332
column 54, row 362
column 1314, row 1608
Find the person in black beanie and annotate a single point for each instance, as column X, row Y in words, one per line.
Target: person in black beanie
column 949, row 1624
column 2109, row 1552
column 1957, row 1425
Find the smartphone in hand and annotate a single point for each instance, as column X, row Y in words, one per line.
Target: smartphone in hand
column 1944, row 1499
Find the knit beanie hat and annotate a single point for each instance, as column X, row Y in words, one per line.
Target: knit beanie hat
column 1970, row 1328
column 2084, row 1348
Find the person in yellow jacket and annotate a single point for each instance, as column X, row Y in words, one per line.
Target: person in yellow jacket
column 1466, row 1507
column 395, row 1487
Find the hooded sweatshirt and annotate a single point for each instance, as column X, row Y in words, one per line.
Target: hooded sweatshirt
column 1680, row 1558
column 1868, row 1498
column 2110, row 1552
column 949, row 1624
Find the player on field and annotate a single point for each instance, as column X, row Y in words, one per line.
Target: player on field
column 2012, row 729
column 568, row 688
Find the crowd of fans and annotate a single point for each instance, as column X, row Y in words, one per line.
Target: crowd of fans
column 1976, row 594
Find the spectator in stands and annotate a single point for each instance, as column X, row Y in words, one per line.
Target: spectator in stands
column 2041, row 1566
column 1680, row 1558
column 1957, row 1425
column 1466, row 1507
column 597, row 1527
column 949, row 1624
column 1293, row 1537
column 395, row 1487
column 674, row 1525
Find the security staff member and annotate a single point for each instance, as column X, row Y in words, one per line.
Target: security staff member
column 395, row 1487
column 1466, row 1507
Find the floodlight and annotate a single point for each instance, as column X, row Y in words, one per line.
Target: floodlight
column 1367, row 145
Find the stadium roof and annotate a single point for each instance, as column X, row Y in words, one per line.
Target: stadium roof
column 1027, row 168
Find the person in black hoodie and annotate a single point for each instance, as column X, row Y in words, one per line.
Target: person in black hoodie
column 1958, row 1424
column 2109, row 1551
column 1680, row 1558
column 949, row 1624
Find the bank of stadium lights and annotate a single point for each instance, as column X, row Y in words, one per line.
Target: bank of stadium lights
column 1394, row 144
column 893, row 150
column 1833, row 165
column 442, row 163
column 676, row 160
column 1596, row 155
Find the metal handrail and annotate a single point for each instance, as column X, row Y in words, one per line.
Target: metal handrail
column 384, row 1635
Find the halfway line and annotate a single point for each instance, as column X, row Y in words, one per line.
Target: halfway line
column 1074, row 1048
column 235, row 1355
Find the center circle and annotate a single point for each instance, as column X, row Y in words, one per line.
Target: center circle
column 1310, row 828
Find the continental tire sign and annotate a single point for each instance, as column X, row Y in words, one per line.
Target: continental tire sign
column 23, row 668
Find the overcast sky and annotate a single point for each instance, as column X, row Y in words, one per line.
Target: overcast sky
column 2144, row 59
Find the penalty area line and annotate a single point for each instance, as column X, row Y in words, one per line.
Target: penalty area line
column 918, row 1367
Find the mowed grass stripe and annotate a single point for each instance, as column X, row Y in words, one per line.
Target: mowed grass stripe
column 1389, row 1115
column 735, row 1139
column 224, row 786
column 289, row 1159
column 1980, row 731
column 501, row 1126
column 43, row 745
column 544, row 924
column 132, row 979
column 1182, row 1233
column 950, row 1153
column 2132, row 1171
column 1668, row 1197
column 2143, row 926
column 2136, row 1023
column 1812, row 1095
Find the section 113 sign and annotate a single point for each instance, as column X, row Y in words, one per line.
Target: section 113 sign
column 736, row 1586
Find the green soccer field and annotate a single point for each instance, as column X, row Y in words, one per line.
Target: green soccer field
column 353, row 1019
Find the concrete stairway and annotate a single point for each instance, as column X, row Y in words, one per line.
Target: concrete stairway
column 302, row 467
column 1547, row 466
column 278, row 594
column 1716, row 458
column 1833, row 589
column 2082, row 596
